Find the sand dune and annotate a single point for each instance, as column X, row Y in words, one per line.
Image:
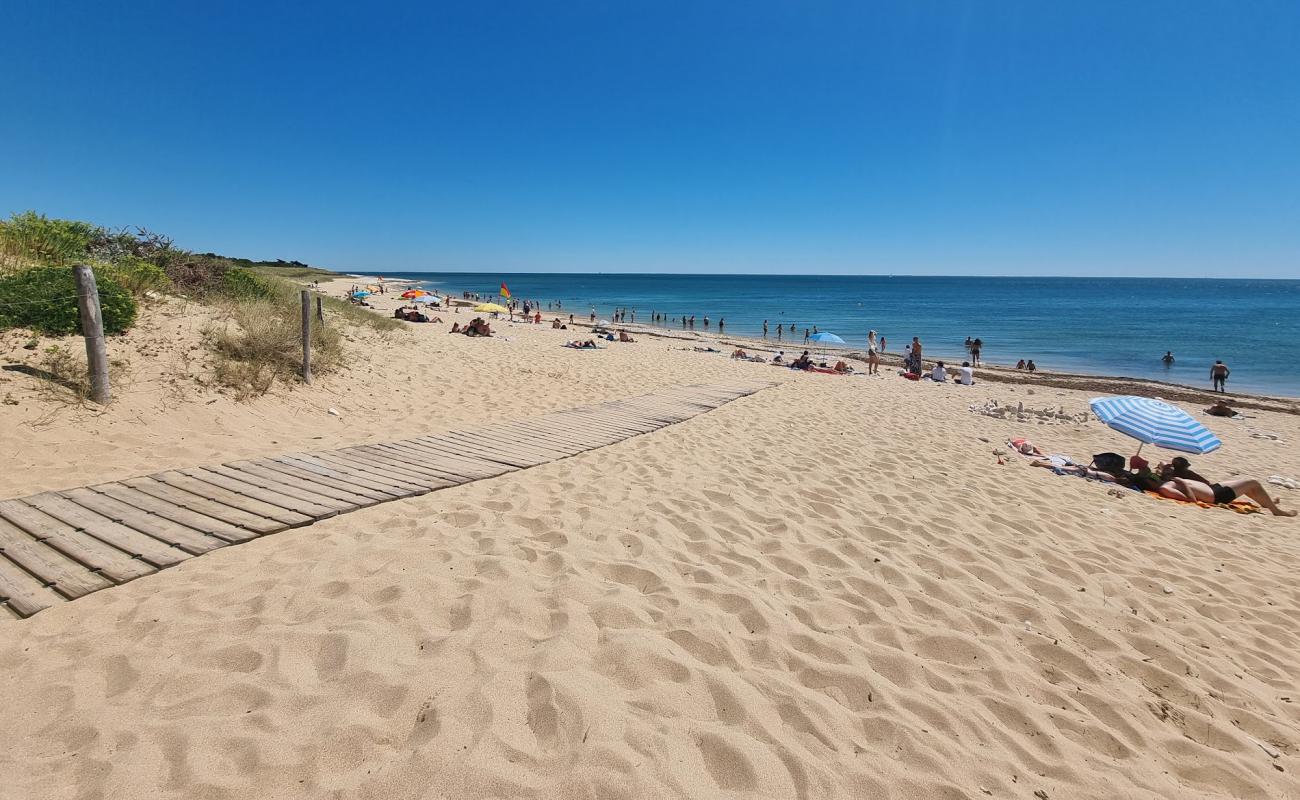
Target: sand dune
column 828, row 589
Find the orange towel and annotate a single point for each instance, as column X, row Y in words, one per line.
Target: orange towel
column 1239, row 506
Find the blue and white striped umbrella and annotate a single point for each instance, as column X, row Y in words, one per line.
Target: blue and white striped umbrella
column 1155, row 422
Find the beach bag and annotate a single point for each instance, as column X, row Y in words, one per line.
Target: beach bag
column 1108, row 462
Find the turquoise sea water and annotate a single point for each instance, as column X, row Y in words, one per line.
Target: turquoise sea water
column 1104, row 326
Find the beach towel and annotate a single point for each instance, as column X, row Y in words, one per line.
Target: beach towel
column 1240, row 506
column 576, row 347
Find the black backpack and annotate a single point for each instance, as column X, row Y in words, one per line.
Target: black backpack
column 1109, row 462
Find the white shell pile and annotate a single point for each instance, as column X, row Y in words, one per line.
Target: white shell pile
column 1022, row 413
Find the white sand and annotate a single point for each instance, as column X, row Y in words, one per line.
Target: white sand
column 828, row 589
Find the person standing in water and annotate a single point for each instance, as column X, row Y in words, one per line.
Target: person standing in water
column 721, row 322
column 975, row 348
column 1219, row 375
column 1168, row 358
column 764, row 329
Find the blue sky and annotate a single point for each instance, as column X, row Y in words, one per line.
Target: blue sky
column 1149, row 138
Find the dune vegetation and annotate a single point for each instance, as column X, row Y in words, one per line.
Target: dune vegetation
column 256, row 332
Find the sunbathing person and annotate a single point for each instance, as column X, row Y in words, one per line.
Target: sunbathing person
column 841, row 367
column 1221, row 493
column 455, row 328
column 623, row 337
column 1062, row 465
column 1221, row 409
column 739, row 353
column 802, row 362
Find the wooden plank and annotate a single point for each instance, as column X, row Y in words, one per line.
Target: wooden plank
column 457, row 459
column 556, row 434
column 566, row 429
column 498, row 449
column 128, row 540
column 603, row 425
column 351, row 458
column 451, row 442
column 272, row 467
column 202, row 503
column 395, row 466
column 66, row 576
column 221, row 478
column 402, row 464
column 183, row 515
column 243, row 502
column 22, row 592
column 492, row 443
column 294, row 487
column 457, row 472
column 354, row 472
column 548, row 434
column 515, row 441
column 72, row 543
column 174, row 533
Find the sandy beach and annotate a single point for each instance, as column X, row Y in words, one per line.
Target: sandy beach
column 829, row 589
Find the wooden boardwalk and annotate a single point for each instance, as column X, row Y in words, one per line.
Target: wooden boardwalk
column 58, row 546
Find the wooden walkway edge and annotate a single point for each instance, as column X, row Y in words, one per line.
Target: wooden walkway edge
column 58, row 546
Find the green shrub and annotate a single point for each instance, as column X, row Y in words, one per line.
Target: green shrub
column 45, row 299
column 36, row 237
column 139, row 276
column 243, row 284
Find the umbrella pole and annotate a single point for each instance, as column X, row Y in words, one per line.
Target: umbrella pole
column 1139, row 450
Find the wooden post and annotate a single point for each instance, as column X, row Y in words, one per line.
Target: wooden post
column 306, row 336
column 92, row 327
column 320, row 310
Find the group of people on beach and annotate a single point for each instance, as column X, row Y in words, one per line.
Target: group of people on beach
column 1175, row 480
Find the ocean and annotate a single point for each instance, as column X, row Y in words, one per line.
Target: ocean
column 1101, row 326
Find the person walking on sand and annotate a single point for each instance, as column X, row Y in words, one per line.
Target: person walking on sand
column 1219, row 375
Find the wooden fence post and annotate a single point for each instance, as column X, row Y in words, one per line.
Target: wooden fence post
column 320, row 310
column 92, row 327
column 306, row 336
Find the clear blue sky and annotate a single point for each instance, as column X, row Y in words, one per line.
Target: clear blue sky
column 1126, row 138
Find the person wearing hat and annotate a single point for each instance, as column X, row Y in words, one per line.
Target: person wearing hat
column 1179, row 467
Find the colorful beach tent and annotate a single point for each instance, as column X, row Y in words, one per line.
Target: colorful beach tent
column 1156, row 422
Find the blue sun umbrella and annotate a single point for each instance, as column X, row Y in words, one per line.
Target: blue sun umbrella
column 825, row 338
column 362, row 293
column 1155, row 422
column 426, row 298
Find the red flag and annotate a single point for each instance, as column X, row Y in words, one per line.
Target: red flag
column 505, row 292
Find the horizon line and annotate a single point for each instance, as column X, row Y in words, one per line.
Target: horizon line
column 817, row 275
